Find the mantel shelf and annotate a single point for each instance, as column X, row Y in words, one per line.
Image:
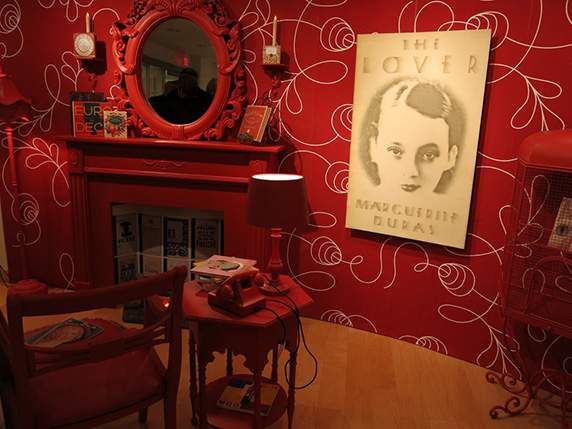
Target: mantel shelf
column 191, row 145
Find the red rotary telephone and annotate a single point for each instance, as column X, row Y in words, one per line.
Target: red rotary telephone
column 240, row 293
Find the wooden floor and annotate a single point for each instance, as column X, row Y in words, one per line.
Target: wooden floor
column 366, row 380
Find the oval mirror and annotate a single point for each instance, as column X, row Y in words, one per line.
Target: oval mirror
column 180, row 69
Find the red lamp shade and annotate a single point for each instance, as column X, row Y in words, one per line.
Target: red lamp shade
column 276, row 201
column 13, row 105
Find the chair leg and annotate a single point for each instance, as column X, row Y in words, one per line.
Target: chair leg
column 143, row 415
column 170, row 412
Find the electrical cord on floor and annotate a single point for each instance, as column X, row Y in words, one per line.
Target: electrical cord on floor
column 296, row 311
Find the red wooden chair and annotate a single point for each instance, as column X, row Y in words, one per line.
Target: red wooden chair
column 94, row 381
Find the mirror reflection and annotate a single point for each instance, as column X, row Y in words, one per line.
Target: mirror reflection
column 179, row 71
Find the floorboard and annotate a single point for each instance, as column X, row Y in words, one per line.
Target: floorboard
column 367, row 380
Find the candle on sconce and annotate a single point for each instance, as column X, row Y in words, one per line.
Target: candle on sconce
column 274, row 28
column 87, row 23
column 271, row 53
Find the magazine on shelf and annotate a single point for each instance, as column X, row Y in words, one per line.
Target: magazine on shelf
column 126, row 268
column 67, row 332
column 206, row 238
column 222, row 266
column 151, row 233
column 561, row 236
column 176, row 237
column 125, row 234
column 238, row 395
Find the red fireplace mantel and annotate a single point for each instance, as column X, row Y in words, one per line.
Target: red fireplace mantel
column 168, row 173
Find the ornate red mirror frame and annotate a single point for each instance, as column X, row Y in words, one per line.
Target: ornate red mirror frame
column 129, row 38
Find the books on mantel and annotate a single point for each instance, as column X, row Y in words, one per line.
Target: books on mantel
column 254, row 123
column 238, row 395
column 87, row 117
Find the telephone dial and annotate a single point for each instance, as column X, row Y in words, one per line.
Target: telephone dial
column 240, row 293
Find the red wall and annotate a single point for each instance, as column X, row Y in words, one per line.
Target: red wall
column 441, row 298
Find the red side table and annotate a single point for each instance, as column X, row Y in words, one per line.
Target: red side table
column 212, row 329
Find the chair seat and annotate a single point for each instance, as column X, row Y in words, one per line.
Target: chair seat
column 67, row 388
column 95, row 379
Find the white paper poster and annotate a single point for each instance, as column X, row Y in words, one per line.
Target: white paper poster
column 418, row 101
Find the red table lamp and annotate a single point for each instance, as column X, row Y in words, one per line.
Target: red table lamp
column 276, row 201
column 15, row 107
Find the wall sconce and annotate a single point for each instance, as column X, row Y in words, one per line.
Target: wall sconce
column 13, row 107
column 276, row 201
column 273, row 61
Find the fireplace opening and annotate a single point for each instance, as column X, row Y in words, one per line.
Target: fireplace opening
column 149, row 240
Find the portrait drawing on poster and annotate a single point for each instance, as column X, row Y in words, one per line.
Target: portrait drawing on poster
column 418, row 101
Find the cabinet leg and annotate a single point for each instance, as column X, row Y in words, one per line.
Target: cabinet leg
column 530, row 386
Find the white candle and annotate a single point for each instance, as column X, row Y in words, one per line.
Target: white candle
column 274, row 28
column 87, row 23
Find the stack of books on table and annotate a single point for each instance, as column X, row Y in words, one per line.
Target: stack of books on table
column 216, row 269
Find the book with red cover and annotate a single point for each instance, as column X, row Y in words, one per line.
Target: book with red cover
column 87, row 117
column 254, row 123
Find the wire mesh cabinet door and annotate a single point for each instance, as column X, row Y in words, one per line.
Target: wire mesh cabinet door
column 536, row 282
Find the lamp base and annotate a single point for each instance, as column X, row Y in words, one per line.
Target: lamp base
column 27, row 287
column 280, row 288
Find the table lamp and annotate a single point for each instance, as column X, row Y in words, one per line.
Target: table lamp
column 15, row 107
column 276, row 201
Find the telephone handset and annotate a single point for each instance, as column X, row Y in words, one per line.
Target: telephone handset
column 240, row 293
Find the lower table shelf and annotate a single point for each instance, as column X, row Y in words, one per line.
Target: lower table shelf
column 222, row 418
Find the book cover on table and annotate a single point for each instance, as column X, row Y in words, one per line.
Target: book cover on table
column 222, row 266
column 238, row 395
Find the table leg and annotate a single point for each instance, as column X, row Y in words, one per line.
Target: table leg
column 202, row 394
column 274, row 375
column 257, row 397
column 229, row 370
column 193, row 381
column 291, row 390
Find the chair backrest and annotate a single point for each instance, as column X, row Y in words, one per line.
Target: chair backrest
column 162, row 325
